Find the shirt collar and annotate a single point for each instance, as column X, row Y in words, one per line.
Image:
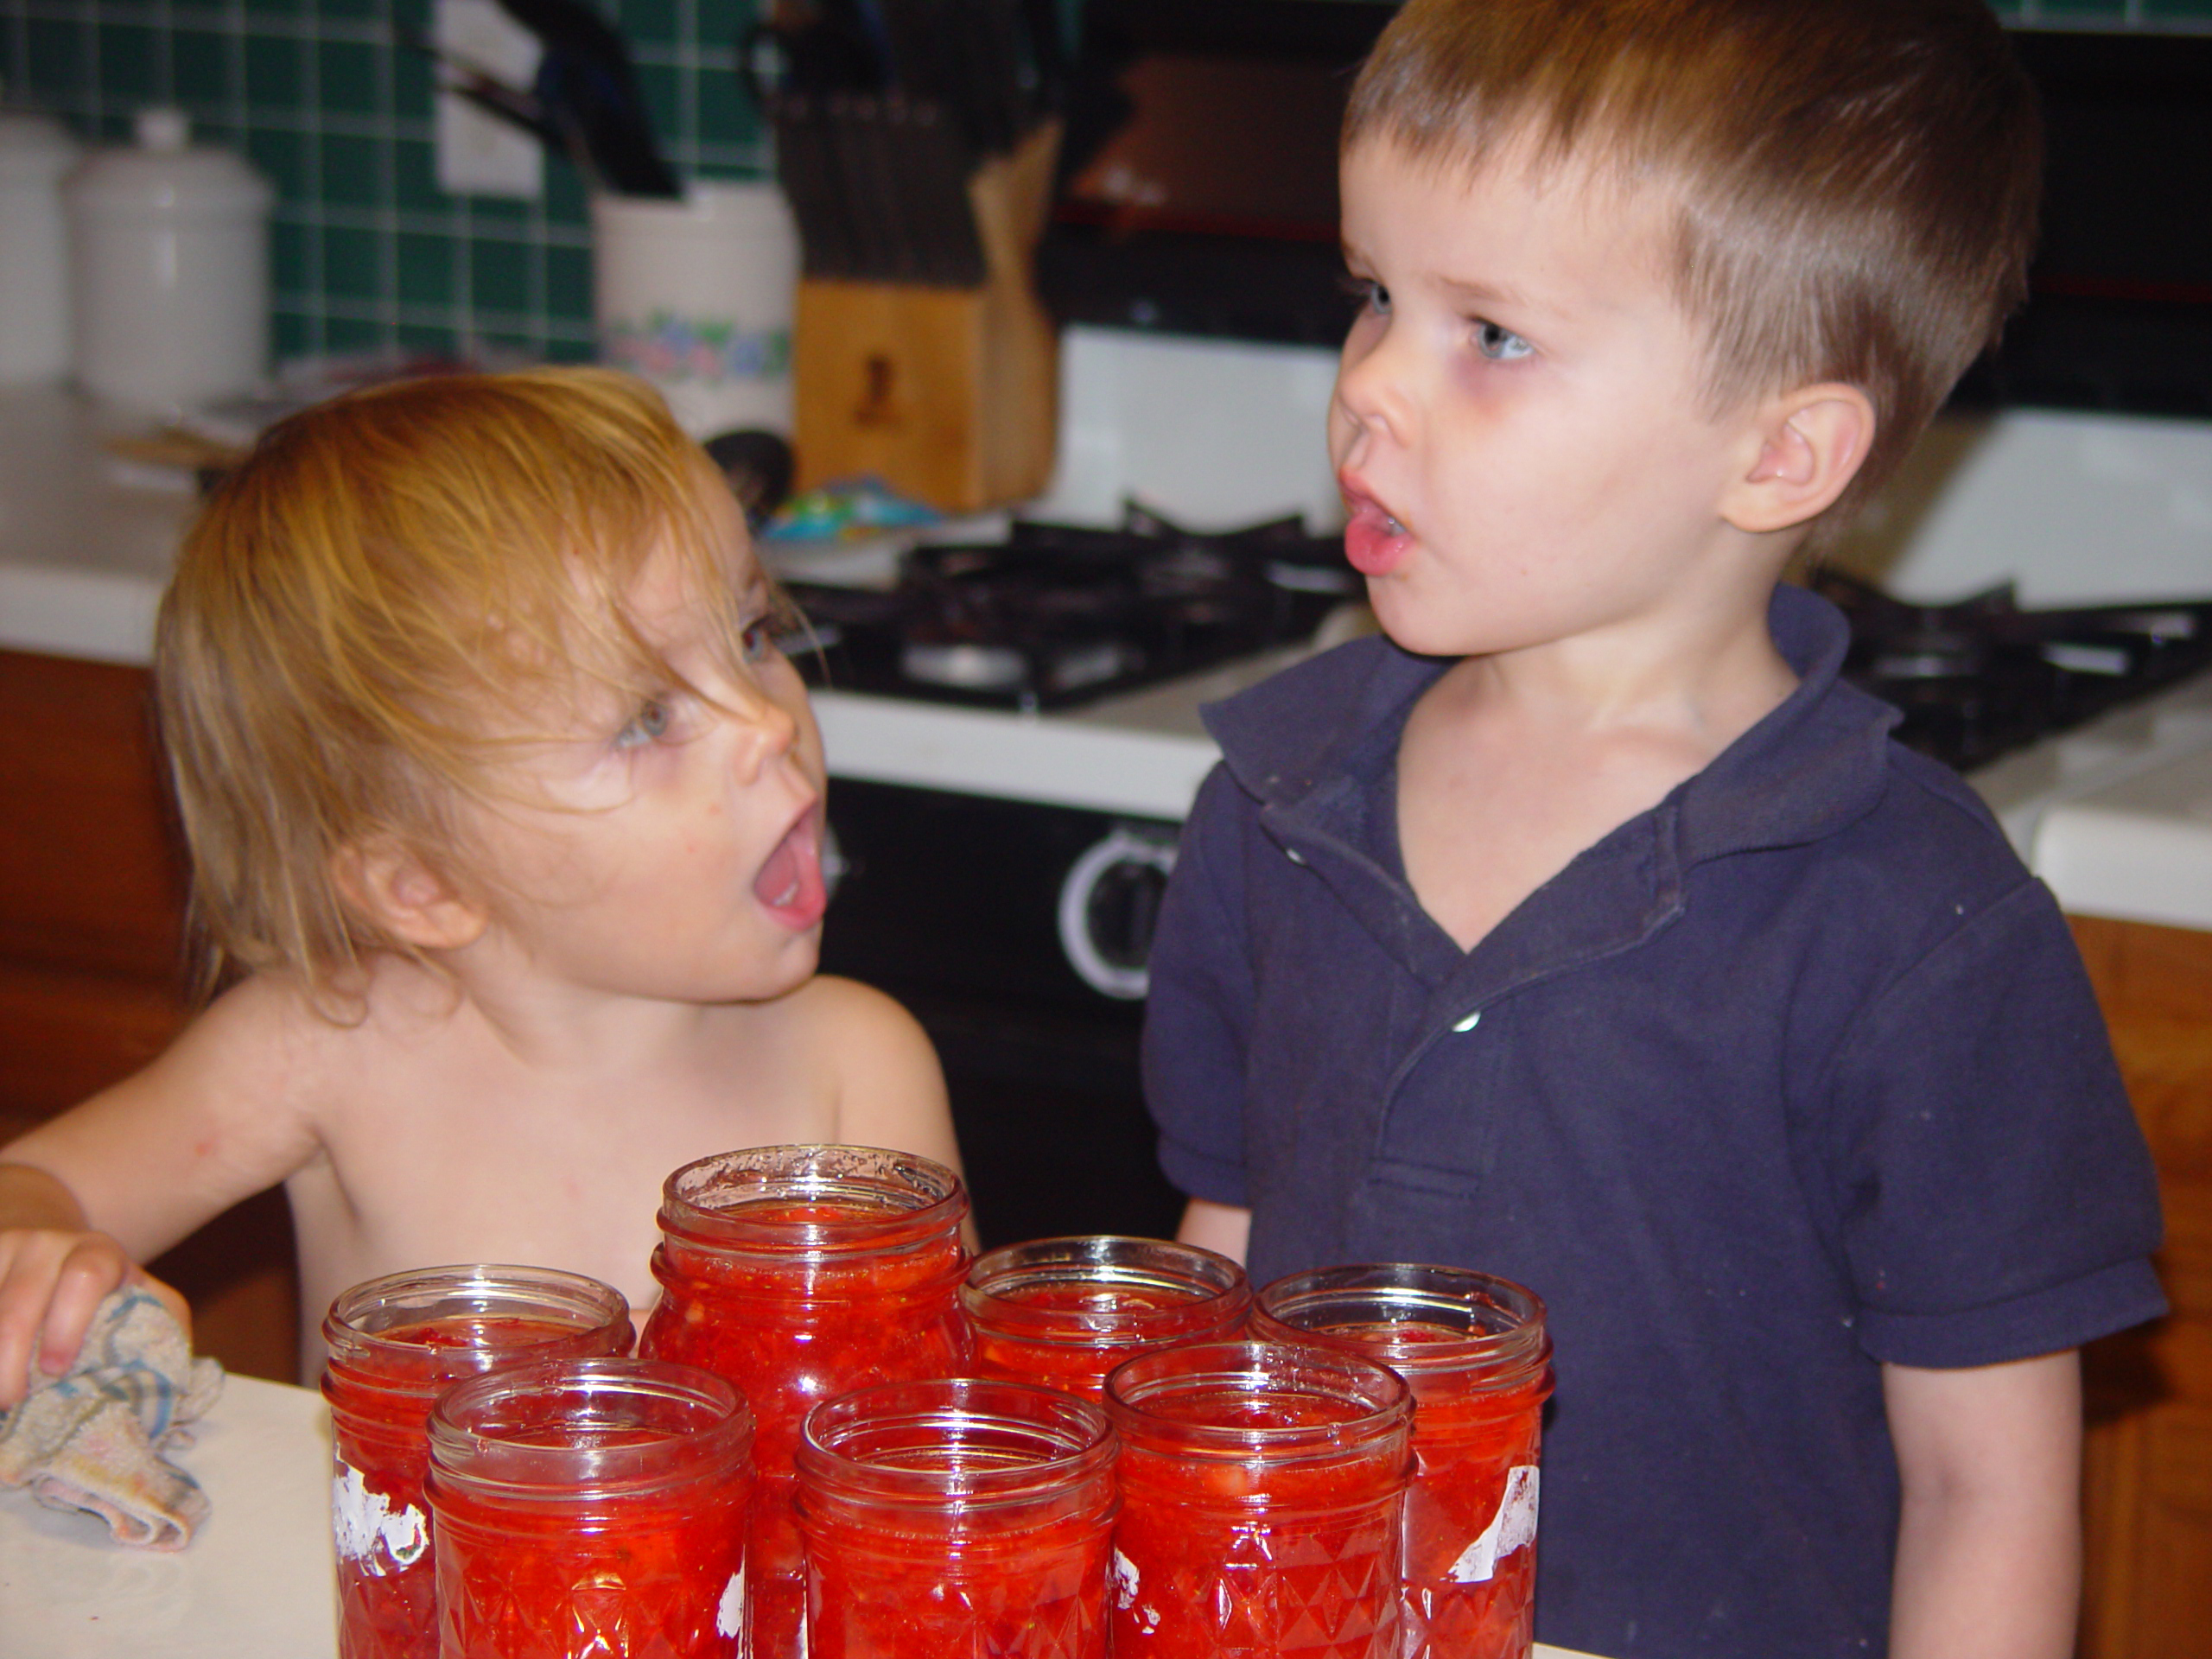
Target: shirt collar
column 1816, row 764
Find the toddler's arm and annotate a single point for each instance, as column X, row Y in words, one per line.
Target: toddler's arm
column 890, row 1087
column 1989, row 1541
column 54, row 1271
column 122, row 1176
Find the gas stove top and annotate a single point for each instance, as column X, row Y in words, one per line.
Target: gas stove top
column 1058, row 615
column 1981, row 677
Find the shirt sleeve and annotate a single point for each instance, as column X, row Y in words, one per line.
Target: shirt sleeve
column 1199, row 1009
column 1996, row 1198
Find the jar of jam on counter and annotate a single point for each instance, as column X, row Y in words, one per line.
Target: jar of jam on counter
column 1263, row 1493
column 1474, row 1349
column 1062, row 1312
column 959, row 1516
column 592, row 1506
column 799, row 1274
column 396, row 1343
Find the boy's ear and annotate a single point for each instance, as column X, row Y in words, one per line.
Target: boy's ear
column 391, row 886
column 1811, row 443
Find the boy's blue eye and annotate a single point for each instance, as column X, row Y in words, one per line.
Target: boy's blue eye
column 649, row 725
column 1370, row 294
column 1499, row 345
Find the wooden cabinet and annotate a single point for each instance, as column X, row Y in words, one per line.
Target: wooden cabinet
column 2148, row 1585
column 91, row 963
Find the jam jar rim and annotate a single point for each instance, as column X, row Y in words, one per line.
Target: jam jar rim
column 861, row 1233
column 531, row 1474
column 1082, row 1258
column 1088, row 1447
column 1389, row 1411
column 1509, row 1358
column 463, row 1288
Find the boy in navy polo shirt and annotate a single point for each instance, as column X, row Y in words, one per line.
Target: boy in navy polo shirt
column 1586, row 929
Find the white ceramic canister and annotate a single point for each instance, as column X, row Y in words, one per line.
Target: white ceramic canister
column 169, row 243
column 697, row 296
column 35, row 152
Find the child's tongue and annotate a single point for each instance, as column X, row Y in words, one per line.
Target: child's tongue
column 789, row 883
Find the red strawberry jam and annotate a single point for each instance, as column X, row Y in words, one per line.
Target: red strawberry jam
column 591, row 1507
column 396, row 1343
column 1473, row 1348
column 1063, row 1312
column 801, row 1272
column 1263, row 1491
column 959, row 1516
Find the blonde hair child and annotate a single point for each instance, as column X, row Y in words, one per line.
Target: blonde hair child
column 505, row 812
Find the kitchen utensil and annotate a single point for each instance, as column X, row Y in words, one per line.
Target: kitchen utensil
column 35, row 153
column 170, row 249
column 945, row 392
column 587, row 90
column 696, row 295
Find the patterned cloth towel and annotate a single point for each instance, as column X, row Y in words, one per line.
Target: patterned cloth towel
column 92, row 1438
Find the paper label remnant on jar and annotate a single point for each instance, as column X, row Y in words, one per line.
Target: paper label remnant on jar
column 729, row 1617
column 1125, row 1580
column 369, row 1530
column 1512, row 1526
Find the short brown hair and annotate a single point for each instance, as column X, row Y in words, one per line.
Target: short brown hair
column 1855, row 182
column 375, row 603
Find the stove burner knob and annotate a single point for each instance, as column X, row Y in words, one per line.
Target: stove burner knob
column 1109, row 902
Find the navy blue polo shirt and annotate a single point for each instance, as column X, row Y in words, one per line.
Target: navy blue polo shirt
column 1795, row 1073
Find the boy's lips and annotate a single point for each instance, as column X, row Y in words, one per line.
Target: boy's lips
column 790, row 885
column 1374, row 541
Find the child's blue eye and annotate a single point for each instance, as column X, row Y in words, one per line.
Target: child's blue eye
column 1499, row 345
column 649, row 725
column 759, row 641
column 1370, row 294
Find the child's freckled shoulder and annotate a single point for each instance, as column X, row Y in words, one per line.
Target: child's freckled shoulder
column 877, row 1062
column 274, row 1038
column 834, row 1017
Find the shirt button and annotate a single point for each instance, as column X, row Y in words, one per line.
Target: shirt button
column 1469, row 1022
column 1293, row 855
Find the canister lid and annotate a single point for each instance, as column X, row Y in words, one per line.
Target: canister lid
column 34, row 148
column 164, row 175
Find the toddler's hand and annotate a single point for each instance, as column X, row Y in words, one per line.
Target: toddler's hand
column 51, row 1283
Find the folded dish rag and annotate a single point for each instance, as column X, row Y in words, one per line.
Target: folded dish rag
column 92, row 1438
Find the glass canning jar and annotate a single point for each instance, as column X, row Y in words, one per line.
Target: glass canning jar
column 1063, row 1312
column 1474, row 1349
column 959, row 1516
column 800, row 1272
column 396, row 1343
column 591, row 1506
column 1262, row 1499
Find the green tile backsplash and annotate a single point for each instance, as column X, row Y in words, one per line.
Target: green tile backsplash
column 369, row 253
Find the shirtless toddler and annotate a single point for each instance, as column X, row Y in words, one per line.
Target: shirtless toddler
column 505, row 817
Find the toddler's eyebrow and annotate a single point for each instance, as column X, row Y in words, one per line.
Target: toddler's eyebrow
column 1480, row 293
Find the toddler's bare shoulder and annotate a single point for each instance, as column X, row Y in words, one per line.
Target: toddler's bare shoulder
column 273, row 1039
column 878, row 1063
column 833, row 1015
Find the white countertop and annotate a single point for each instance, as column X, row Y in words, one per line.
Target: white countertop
column 2114, row 816
column 258, row 1582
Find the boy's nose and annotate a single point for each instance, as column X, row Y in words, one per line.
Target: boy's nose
column 1369, row 400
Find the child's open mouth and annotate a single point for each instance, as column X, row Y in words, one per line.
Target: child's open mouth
column 790, row 885
column 1374, row 541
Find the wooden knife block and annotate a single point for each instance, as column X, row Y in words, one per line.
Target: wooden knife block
column 949, row 394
